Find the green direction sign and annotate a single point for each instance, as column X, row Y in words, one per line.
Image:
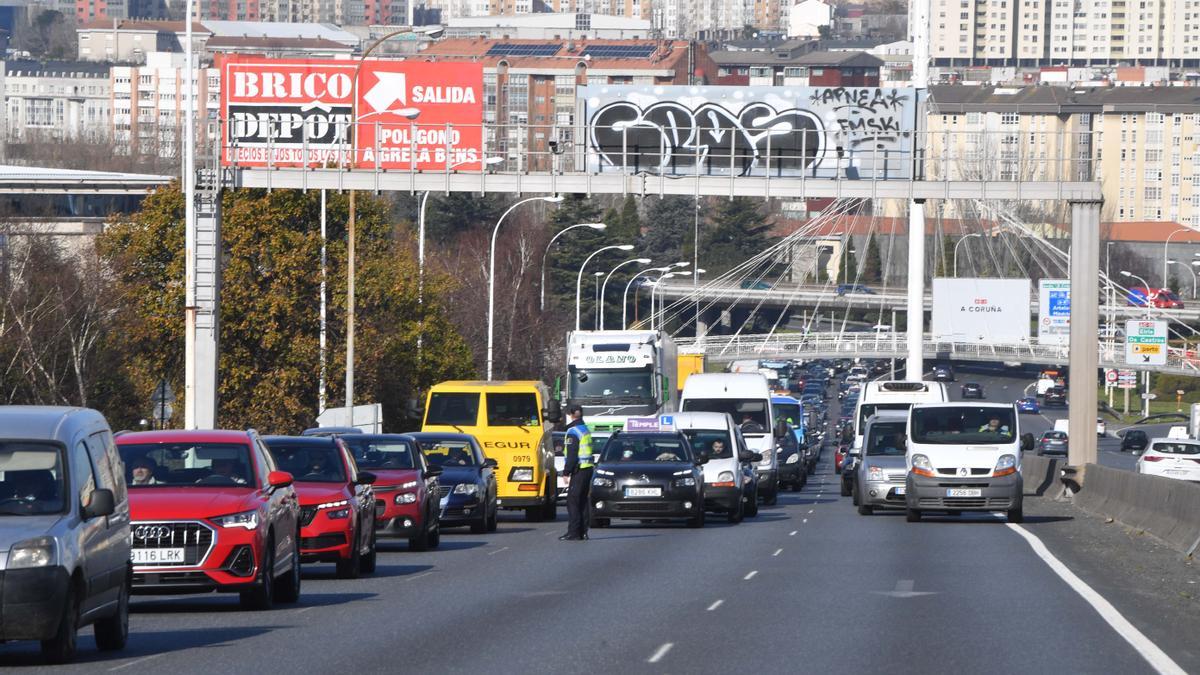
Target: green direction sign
column 1146, row 343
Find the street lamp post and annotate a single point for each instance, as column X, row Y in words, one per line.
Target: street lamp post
column 596, row 302
column 625, row 296
column 956, row 244
column 1166, row 244
column 661, row 301
column 1145, row 284
column 491, row 313
column 604, row 286
column 542, row 285
column 579, row 280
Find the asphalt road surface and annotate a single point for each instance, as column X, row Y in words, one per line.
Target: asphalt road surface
column 809, row 586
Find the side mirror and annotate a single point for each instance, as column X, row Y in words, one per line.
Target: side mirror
column 745, row 456
column 553, row 411
column 102, row 504
column 433, row 471
column 491, row 463
column 702, row 458
column 279, row 479
column 756, row 457
column 1027, row 442
column 366, row 478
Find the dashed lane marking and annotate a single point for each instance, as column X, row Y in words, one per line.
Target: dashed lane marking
column 503, row 548
column 660, row 652
column 135, row 662
column 750, row 576
column 715, row 605
column 793, row 532
column 776, row 553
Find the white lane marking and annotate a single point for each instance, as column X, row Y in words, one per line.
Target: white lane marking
column 136, row 661
column 793, row 532
column 504, row 548
column 417, row 576
column 803, row 521
column 1155, row 656
column 660, row 652
column 305, row 609
column 810, row 510
column 750, row 576
column 715, row 605
column 776, row 553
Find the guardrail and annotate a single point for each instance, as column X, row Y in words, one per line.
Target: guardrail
column 722, row 348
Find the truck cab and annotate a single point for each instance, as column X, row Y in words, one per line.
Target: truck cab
column 507, row 420
column 615, row 375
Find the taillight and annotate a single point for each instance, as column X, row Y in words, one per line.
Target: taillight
column 1153, row 458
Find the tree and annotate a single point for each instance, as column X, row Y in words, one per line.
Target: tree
column 943, row 260
column 570, row 252
column 448, row 216
column 848, row 269
column 269, row 307
column 872, row 272
column 669, row 222
column 50, row 35
column 736, row 232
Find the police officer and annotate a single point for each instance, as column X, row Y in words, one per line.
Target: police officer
column 577, row 465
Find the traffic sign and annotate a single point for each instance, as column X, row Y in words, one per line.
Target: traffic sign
column 162, row 393
column 1110, row 375
column 1146, row 342
column 1127, row 379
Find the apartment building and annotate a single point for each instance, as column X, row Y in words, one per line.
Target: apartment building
column 797, row 67
column 128, row 41
column 55, row 101
column 549, row 26
column 149, row 103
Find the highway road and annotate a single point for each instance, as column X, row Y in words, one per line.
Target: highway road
column 809, row 585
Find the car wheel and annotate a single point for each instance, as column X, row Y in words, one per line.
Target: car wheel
column 371, row 558
column 864, row 510
column 351, row 568
column 435, row 537
column 1016, row 515
column 479, row 526
column 112, row 632
column 287, row 588
column 837, row 468
column 61, row 648
column 845, row 489
column 421, row 540
column 697, row 520
column 912, row 515
column 262, row 596
column 752, row 505
column 492, row 520
column 855, row 496
column 550, row 508
column 737, row 513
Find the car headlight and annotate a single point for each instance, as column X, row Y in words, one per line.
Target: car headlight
column 404, row 498
column 1005, row 466
column 685, row 482
column 922, row 467
column 247, row 520
column 521, row 474
column 766, row 458
column 409, row 485
column 793, row 459
column 339, row 514
column 725, row 477
column 600, row 481
column 37, row 552
column 466, row 489
column 874, row 473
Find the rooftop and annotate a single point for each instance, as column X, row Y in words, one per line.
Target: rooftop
column 558, row 54
column 142, row 25
column 960, row 99
column 236, row 42
column 56, row 69
column 842, row 59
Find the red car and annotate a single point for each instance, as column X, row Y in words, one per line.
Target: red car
column 406, row 487
column 337, row 504
column 839, row 456
column 211, row 511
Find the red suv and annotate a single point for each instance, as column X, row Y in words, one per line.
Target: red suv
column 337, row 505
column 406, row 486
column 210, row 511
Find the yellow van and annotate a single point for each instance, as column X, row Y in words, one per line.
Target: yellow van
column 507, row 420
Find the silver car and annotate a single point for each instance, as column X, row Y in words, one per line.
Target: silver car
column 880, row 471
column 64, row 530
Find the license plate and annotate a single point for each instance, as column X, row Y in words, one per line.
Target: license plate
column 964, row 492
column 900, row 490
column 146, row 556
column 643, row 492
column 563, row 482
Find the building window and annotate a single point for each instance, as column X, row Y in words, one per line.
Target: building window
column 583, row 22
column 1009, row 118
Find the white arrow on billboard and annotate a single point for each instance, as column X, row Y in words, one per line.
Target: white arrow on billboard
column 390, row 88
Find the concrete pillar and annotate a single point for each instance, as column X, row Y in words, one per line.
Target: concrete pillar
column 1085, row 316
column 915, row 366
column 202, row 323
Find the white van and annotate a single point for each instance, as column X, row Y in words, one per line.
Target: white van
column 747, row 398
column 725, row 488
column 963, row 457
column 880, row 396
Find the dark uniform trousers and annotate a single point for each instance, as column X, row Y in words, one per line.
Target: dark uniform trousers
column 577, row 502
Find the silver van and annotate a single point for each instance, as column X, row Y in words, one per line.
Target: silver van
column 880, row 471
column 64, row 530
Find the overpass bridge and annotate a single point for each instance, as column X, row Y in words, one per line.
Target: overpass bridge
column 727, row 348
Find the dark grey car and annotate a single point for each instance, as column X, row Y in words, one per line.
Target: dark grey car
column 64, row 530
column 881, row 472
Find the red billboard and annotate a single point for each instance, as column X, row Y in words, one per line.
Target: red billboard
column 297, row 113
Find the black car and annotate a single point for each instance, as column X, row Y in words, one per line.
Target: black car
column 1134, row 440
column 972, row 390
column 648, row 475
column 793, row 463
column 943, row 373
column 1055, row 397
column 468, row 480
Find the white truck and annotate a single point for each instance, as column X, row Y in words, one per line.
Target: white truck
column 616, row 375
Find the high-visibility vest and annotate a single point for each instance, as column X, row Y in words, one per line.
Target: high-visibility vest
column 584, row 436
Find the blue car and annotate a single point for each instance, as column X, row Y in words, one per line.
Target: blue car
column 1028, row 405
column 468, row 480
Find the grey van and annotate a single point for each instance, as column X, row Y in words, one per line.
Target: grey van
column 64, row 530
column 880, row 471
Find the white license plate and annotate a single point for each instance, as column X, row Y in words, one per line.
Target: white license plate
column 146, row 556
column 643, row 492
column 900, row 490
column 964, row 492
column 563, row 482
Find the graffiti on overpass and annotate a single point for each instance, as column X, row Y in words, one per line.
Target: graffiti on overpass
column 821, row 132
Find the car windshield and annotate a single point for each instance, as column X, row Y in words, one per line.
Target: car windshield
column 31, row 479
column 786, row 411
column 868, row 409
column 1169, row 295
column 188, row 464
column 634, row 383
column 886, row 439
column 645, row 448
column 450, row 453
column 453, row 409
column 956, row 425
column 310, row 462
column 513, row 410
column 1176, row 448
column 751, row 414
column 395, row 453
column 714, row 442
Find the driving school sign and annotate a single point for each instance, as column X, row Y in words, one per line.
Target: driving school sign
column 298, row 113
